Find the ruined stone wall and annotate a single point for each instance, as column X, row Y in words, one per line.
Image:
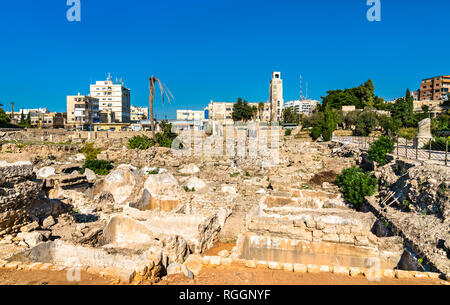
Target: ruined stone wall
column 317, row 227
column 17, row 194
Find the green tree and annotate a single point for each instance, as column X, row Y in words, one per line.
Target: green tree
column 365, row 123
column 329, row 124
column 4, row 119
column 355, row 185
column 361, row 97
column 290, row 116
column 242, row 111
column 403, row 110
column 379, row 149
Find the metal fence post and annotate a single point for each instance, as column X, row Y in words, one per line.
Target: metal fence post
column 416, row 140
column 429, row 151
column 406, row 148
column 397, row 146
column 446, row 151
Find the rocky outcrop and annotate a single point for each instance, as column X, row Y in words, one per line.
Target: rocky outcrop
column 18, row 193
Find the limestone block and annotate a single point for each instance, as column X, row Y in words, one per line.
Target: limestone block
column 340, row 270
column 300, row 268
column 355, row 271
column 250, row 264
column 274, row 266
column 288, row 267
column 313, row 268
column 389, row 273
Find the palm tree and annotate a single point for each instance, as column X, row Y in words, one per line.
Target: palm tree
column 261, row 110
column 164, row 91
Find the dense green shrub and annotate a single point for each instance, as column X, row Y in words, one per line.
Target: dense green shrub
column 355, row 185
column 166, row 136
column 316, row 133
column 408, row 133
column 365, row 123
column 379, row 149
column 140, row 142
column 99, row 167
column 287, row 132
column 90, row 151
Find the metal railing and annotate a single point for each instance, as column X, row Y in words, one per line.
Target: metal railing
column 416, row 149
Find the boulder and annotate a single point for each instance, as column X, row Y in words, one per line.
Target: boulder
column 30, row 227
column 32, row 239
column 80, row 157
column 190, row 169
column 160, row 192
column 195, row 183
column 48, row 222
column 120, row 183
column 45, row 172
column 229, row 189
column 90, row 175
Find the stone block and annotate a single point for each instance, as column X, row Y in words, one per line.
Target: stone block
column 389, row 273
column 300, row 268
column 262, row 264
column 288, row 267
column 313, row 268
column 355, row 271
column 339, row 270
column 215, row 260
column 274, row 266
column 250, row 264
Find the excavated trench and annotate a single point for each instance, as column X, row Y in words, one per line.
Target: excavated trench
column 313, row 227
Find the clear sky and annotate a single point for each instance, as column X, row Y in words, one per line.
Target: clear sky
column 217, row 49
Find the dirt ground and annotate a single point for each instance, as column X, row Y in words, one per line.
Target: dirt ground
column 16, row 277
column 208, row 276
column 245, row 276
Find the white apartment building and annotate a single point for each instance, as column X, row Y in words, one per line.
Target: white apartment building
column 305, row 107
column 190, row 115
column 37, row 110
column 114, row 97
column 220, row 111
column 138, row 113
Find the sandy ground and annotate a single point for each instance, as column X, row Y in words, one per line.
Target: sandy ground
column 245, row 276
column 16, row 277
column 208, row 276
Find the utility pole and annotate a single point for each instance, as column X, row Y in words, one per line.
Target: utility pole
column 301, row 91
column 12, row 112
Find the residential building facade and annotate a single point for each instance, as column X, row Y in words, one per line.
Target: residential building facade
column 305, row 107
column 190, row 115
column 115, row 97
column 435, row 88
column 138, row 114
column 82, row 112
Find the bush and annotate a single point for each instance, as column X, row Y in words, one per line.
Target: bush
column 408, row 133
column 287, row 132
column 99, row 167
column 379, row 149
column 164, row 140
column 355, row 185
column 365, row 124
column 89, row 151
column 140, row 142
column 316, row 132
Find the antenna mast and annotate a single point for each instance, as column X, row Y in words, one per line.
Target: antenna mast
column 301, row 92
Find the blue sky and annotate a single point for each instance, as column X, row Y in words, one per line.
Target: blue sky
column 217, row 49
